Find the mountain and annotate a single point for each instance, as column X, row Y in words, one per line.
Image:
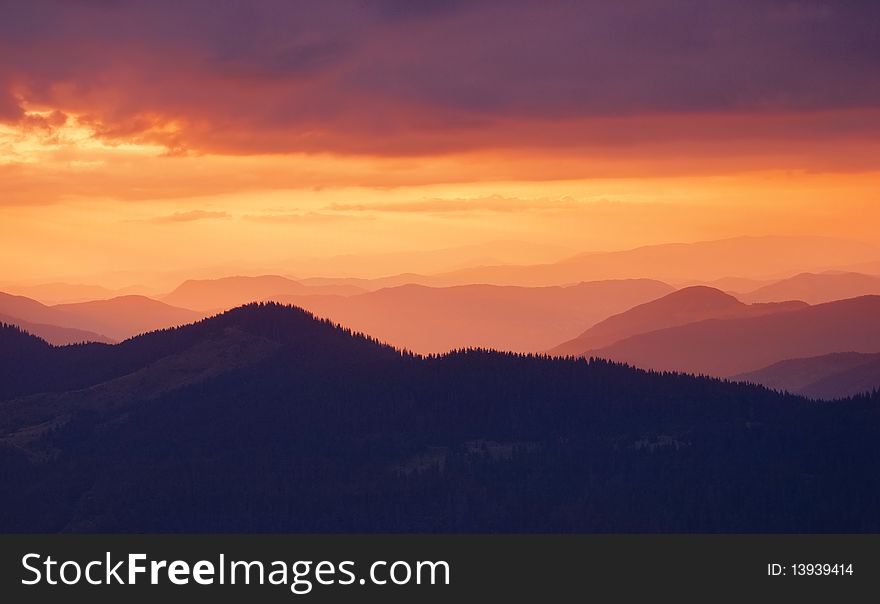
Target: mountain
column 53, row 334
column 817, row 288
column 62, row 293
column 25, row 309
column 98, row 320
column 520, row 319
column 227, row 292
column 683, row 306
column 727, row 347
column 747, row 257
column 264, row 419
column 829, row 376
column 426, row 261
column 730, row 284
column 52, row 324
column 368, row 284
column 126, row 316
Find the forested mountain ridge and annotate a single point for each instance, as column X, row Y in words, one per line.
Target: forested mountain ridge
column 308, row 427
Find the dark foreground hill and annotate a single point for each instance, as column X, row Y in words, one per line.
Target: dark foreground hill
column 264, row 419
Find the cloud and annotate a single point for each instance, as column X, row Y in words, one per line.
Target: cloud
column 490, row 203
column 407, row 78
column 303, row 218
column 190, row 216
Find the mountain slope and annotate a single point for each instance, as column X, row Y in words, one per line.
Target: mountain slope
column 55, row 334
column 65, row 293
column 519, row 319
column 316, row 429
column 227, row 292
column 817, row 288
column 26, row 309
column 830, row 376
column 683, row 306
column 113, row 319
column 726, row 347
column 127, row 316
column 42, row 368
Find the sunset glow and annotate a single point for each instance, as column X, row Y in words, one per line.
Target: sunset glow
column 436, row 267
column 220, row 154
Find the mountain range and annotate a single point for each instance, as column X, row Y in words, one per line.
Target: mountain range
column 66, row 293
column 744, row 257
column 266, row 419
column 126, row 316
column 369, row 265
column 94, row 321
column 520, row 319
column 728, row 347
column 227, row 292
column 688, row 305
column 53, row 334
column 816, row 288
column 830, row 376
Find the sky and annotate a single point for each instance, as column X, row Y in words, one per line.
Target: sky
column 146, row 137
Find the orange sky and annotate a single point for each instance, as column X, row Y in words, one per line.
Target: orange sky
column 78, row 206
column 274, row 133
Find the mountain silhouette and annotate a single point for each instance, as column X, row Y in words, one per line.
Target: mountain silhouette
column 65, row 293
column 26, row 309
column 829, row 376
column 817, row 288
column 53, row 334
column 727, row 347
column 125, row 316
column 367, row 264
column 748, row 257
column 683, row 306
column 519, row 319
column 732, row 284
column 100, row 320
column 227, row 292
column 264, row 419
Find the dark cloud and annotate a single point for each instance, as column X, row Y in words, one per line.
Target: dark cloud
column 388, row 76
column 10, row 111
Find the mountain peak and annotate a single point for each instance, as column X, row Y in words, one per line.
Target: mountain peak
column 677, row 308
column 698, row 296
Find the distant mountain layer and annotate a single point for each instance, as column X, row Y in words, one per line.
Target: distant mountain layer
column 426, row 261
column 105, row 320
column 264, row 419
column 227, row 292
column 727, row 347
column 127, row 316
column 829, row 376
column 64, row 293
column 817, row 288
column 748, row 257
column 519, row 319
column 53, row 334
column 687, row 305
column 418, row 318
column 26, row 309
